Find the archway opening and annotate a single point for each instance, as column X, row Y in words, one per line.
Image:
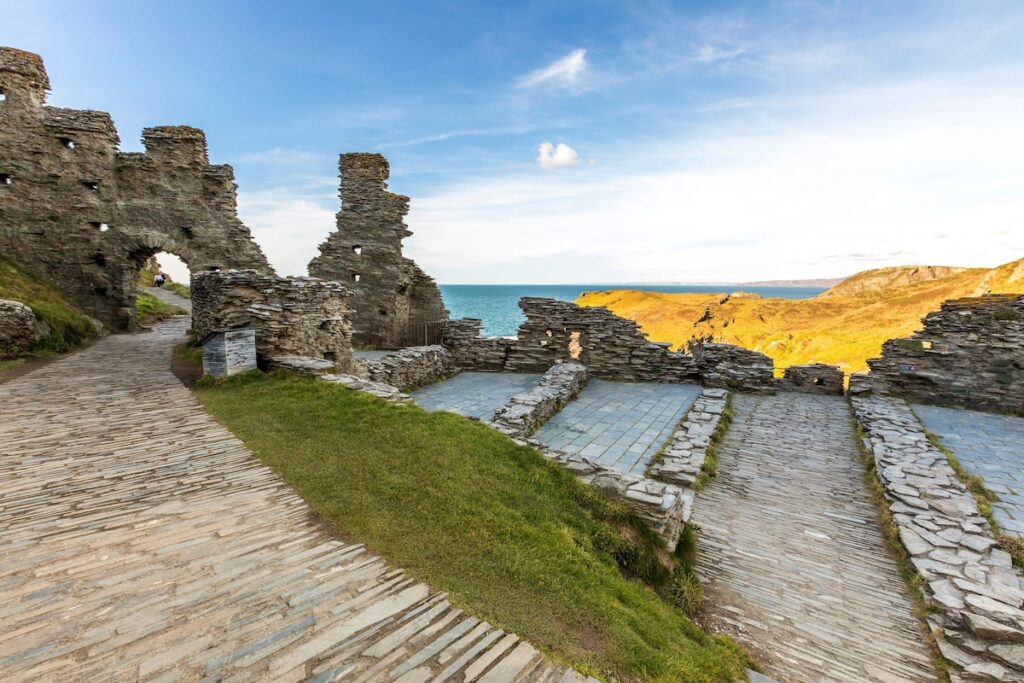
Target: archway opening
column 162, row 287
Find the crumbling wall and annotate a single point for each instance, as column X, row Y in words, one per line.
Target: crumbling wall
column 292, row 316
column 814, row 378
column 733, row 367
column 473, row 352
column 77, row 212
column 393, row 299
column 970, row 354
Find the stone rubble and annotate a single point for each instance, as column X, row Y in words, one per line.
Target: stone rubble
column 410, row 368
column 528, row 410
column 815, row 378
column 19, row 328
column 970, row 355
column 973, row 584
column 684, row 457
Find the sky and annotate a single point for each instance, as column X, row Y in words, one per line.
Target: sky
column 585, row 142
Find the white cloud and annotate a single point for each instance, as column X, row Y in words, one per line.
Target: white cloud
column 708, row 53
column 565, row 72
column 290, row 223
column 280, row 155
column 556, row 156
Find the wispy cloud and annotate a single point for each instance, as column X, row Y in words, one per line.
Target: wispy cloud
column 280, row 155
column 566, row 72
column 556, row 156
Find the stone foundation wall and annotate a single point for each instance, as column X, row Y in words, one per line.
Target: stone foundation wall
column 291, row 316
column 815, row 378
column 416, row 366
column 527, row 411
column 80, row 214
column 473, row 352
column 683, row 459
column 732, row 367
column 392, row 298
column 970, row 354
column 977, row 592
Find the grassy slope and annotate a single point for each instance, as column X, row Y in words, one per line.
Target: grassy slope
column 513, row 538
column 831, row 328
column 69, row 326
column 150, row 309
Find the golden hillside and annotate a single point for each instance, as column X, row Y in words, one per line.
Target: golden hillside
column 843, row 326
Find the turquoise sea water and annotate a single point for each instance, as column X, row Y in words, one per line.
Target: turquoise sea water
column 497, row 305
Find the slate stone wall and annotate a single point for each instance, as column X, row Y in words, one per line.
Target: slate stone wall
column 79, row 213
column 292, row 316
column 970, row 354
column 392, row 298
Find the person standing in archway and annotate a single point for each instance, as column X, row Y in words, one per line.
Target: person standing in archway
column 159, row 279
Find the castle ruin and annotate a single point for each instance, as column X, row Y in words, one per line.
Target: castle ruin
column 77, row 212
column 394, row 300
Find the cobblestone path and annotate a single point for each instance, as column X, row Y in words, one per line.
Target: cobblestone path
column 619, row 425
column 139, row 540
column 990, row 446
column 474, row 394
column 791, row 555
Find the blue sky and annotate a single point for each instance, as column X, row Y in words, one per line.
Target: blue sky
column 585, row 141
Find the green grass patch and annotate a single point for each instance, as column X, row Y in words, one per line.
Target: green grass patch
column 69, row 327
column 512, row 537
column 710, row 467
column 181, row 290
column 150, row 309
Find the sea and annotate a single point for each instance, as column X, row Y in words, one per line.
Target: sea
column 498, row 305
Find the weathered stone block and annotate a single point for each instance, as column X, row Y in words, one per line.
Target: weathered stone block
column 229, row 352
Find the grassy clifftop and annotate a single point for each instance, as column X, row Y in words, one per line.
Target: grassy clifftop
column 69, row 326
column 844, row 326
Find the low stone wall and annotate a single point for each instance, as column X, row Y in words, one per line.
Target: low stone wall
column 663, row 507
column 527, row 411
column 979, row 625
column 684, row 457
column 969, row 355
column 291, row 316
column 19, row 328
column 732, row 367
column 473, row 352
column 815, row 378
column 415, row 366
column 324, row 370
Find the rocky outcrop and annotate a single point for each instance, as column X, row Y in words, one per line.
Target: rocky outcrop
column 412, row 367
column 394, row 301
column 527, row 411
column 970, row 354
column 816, row 378
column 20, row 330
column 292, row 316
column 977, row 592
column 77, row 212
column 732, row 367
column 682, row 460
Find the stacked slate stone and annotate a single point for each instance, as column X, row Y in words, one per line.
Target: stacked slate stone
column 816, row 378
column 77, row 212
column 528, row 410
column 19, row 328
column 291, row 316
column 684, row 457
column 473, row 352
column 611, row 347
column 970, row 354
column 733, row 367
column 230, row 352
column 973, row 584
column 393, row 300
column 409, row 368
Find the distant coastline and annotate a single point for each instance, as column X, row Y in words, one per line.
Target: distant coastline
column 819, row 282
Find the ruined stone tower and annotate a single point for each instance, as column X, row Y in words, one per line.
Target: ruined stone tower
column 76, row 211
column 393, row 299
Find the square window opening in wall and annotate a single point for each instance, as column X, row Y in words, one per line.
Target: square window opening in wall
column 357, row 249
column 403, row 288
column 91, row 185
column 926, row 345
column 575, row 345
column 187, row 232
column 67, row 143
column 102, row 227
column 355, row 277
column 100, row 260
column 382, row 311
column 6, row 179
column 3, row 95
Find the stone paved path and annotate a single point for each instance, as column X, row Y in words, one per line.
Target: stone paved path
column 139, row 540
column 990, row 446
column 791, row 556
column 474, row 394
column 619, row 425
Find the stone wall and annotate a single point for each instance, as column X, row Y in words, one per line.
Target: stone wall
column 976, row 591
column 815, row 378
column 412, row 367
column 79, row 213
column 528, row 410
column 473, row 352
column 393, row 299
column 291, row 316
column 733, row 367
column 682, row 460
column 970, row 354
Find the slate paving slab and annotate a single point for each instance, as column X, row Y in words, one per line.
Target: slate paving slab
column 141, row 541
column 791, row 555
column 989, row 446
column 619, row 425
column 474, row 394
